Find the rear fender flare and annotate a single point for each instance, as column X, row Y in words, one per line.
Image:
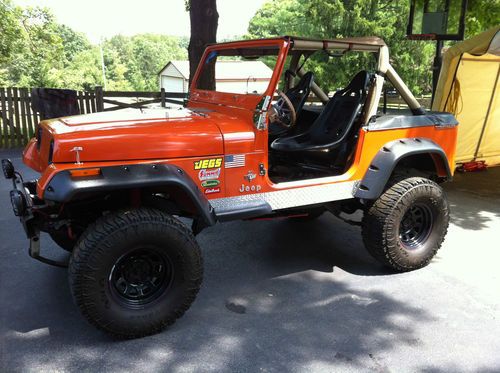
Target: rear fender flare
column 385, row 161
column 63, row 188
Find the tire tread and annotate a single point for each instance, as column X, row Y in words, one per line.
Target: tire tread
column 91, row 242
column 375, row 223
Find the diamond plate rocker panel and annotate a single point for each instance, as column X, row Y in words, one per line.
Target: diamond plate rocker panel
column 295, row 197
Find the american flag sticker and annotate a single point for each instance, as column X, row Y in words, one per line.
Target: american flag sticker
column 235, row 160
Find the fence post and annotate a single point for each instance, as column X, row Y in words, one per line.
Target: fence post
column 4, row 140
column 162, row 96
column 99, row 98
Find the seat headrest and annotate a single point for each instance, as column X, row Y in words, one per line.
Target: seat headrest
column 359, row 82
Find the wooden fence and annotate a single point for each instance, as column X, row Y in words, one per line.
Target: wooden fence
column 18, row 119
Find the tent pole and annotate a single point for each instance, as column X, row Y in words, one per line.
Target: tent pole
column 493, row 93
column 436, row 67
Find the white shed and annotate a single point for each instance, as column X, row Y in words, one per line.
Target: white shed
column 174, row 77
column 230, row 76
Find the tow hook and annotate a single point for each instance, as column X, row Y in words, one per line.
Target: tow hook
column 34, row 252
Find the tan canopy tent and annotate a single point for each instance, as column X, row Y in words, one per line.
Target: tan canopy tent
column 468, row 87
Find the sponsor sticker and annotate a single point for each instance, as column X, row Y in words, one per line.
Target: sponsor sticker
column 209, row 174
column 212, row 190
column 210, row 183
column 208, row 163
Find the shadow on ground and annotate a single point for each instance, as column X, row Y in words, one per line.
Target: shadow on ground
column 474, row 198
column 278, row 296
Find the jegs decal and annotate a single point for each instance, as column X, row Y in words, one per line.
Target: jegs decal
column 208, row 163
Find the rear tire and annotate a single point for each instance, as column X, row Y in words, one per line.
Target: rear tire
column 133, row 273
column 405, row 227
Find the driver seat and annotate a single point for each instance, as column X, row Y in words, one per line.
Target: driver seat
column 334, row 123
column 299, row 93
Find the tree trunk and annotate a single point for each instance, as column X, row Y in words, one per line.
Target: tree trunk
column 204, row 21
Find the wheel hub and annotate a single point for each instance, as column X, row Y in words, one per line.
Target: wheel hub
column 141, row 277
column 137, row 271
column 416, row 226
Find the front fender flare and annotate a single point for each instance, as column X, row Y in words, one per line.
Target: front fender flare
column 380, row 170
column 63, row 188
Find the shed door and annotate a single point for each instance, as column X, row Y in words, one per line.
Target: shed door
column 172, row 84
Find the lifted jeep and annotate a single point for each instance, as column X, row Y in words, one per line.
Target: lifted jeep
column 113, row 185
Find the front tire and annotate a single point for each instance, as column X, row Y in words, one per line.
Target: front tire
column 405, row 227
column 133, row 273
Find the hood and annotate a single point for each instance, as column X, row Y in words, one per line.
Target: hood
column 133, row 135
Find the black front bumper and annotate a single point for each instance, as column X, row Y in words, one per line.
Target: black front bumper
column 24, row 204
column 21, row 197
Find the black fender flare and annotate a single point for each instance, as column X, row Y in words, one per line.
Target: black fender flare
column 63, row 188
column 380, row 170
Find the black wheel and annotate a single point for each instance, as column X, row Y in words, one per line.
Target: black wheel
column 404, row 228
column 133, row 273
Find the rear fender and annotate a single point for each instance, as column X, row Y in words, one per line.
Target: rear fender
column 384, row 163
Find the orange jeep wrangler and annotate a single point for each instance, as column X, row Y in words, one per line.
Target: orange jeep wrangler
column 113, row 185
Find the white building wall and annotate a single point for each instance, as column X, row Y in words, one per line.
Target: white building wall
column 242, row 86
column 172, row 80
column 170, row 70
column 172, row 84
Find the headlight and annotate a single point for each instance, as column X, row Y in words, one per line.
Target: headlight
column 18, row 202
column 7, row 168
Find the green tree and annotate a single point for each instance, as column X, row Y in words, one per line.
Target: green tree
column 37, row 51
column 83, row 72
column 139, row 58
column 342, row 18
column 481, row 15
column 10, row 29
column 73, row 42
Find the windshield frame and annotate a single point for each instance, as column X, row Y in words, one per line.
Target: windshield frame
column 245, row 100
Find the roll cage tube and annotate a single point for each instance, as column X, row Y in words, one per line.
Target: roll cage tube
column 384, row 70
column 300, row 46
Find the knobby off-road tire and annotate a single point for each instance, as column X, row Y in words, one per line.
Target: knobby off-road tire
column 133, row 273
column 404, row 228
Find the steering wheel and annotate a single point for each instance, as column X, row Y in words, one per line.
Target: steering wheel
column 282, row 112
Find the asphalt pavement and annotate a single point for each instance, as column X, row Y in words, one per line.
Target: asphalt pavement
column 280, row 296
